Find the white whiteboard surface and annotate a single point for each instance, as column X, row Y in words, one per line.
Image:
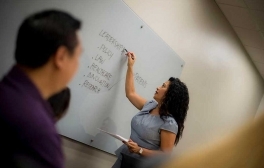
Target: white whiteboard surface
column 98, row 89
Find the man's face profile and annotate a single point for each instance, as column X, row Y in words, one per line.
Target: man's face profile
column 71, row 61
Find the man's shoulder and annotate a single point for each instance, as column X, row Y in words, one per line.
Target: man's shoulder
column 13, row 99
column 20, row 109
column 26, row 119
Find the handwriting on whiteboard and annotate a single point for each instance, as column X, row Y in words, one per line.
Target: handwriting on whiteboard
column 103, row 70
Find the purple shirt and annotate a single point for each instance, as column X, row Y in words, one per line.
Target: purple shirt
column 28, row 134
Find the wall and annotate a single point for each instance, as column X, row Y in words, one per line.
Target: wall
column 260, row 110
column 225, row 87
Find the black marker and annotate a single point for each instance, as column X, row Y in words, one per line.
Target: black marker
column 127, row 52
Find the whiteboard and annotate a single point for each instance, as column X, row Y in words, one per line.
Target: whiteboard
column 98, row 89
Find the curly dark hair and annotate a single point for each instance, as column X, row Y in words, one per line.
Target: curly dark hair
column 60, row 102
column 176, row 104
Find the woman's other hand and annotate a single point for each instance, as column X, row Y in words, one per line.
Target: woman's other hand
column 132, row 146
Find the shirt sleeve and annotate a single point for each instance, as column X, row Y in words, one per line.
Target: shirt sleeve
column 170, row 125
column 149, row 105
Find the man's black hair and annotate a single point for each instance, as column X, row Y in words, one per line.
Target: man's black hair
column 41, row 34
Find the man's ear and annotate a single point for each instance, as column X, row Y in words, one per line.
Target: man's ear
column 60, row 56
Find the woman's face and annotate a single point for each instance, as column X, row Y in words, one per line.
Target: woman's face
column 161, row 91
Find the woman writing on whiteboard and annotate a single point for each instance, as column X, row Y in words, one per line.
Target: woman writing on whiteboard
column 160, row 123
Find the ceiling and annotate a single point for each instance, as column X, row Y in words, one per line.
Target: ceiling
column 247, row 19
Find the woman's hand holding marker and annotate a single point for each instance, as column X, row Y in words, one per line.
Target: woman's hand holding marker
column 131, row 58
